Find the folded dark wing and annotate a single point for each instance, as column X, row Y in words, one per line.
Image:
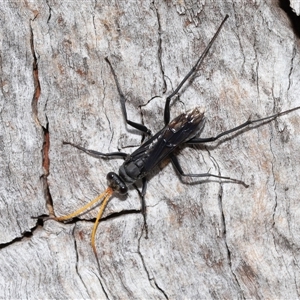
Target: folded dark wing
column 165, row 141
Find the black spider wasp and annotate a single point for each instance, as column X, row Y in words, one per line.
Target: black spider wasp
column 181, row 130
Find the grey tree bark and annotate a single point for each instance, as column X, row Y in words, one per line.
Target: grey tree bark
column 207, row 239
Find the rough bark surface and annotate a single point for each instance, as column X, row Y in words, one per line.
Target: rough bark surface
column 207, row 240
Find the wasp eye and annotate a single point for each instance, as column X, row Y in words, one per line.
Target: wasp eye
column 116, row 183
column 123, row 189
column 110, row 176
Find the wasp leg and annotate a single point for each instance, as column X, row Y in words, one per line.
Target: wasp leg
column 143, row 203
column 177, row 166
column 97, row 154
column 247, row 123
column 138, row 126
column 194, row 68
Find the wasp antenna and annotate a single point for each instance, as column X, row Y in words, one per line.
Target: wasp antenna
column 82, row 209
column 107, row 194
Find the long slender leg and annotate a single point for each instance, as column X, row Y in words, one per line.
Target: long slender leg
column 194, row 68
column 177, row 166
column 247, row 123
column 138, row 126
column 143, row 203
column 97, row 154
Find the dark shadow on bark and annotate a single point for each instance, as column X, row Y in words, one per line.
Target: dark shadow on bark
column 295, row 20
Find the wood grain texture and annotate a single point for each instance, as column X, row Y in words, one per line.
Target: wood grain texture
column 206, row 240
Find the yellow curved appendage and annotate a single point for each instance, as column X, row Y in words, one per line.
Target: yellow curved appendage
column 82, row 209
column 108, row 194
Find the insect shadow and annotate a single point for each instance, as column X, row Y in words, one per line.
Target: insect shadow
column 183, row 130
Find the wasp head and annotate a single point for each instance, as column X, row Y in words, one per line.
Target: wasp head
column 116, row 183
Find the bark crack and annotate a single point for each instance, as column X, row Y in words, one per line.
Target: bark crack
column 26, row 234
column 46, row 167
column 146, row 269
column 291, row 68
column 2, row 84
column 77, row 260
column 224, row 229
column 110, row 128
column 237, row 24
column 34, row 107
column 274, row 185
column 94, row 25
column 256, row 69
column 159, row 50
column 50, row 11
column 121, row 213
column 229, row 257
column 35, row 74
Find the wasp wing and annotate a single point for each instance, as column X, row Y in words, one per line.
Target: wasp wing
column 181, row 129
